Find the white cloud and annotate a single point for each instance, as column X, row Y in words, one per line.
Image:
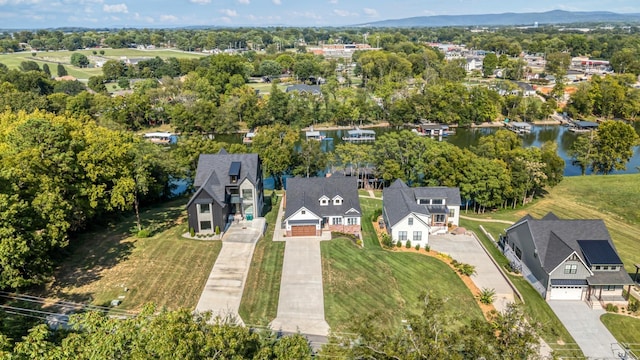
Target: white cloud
column 225, row 19
column 277, row 2
column 229, row 12
column 115, row 8
column 370, row 12
column 341, row 12
column 201, row 2
column 246, row 2
column 168, row 18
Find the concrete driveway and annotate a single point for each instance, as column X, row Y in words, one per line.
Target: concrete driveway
column 223, row 291
column 466, row 249
column 301, row 302
column 583, row 323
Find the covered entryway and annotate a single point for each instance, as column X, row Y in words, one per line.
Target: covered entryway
column 303, row 230
column 566, row 293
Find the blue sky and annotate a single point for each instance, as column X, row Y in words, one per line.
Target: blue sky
column 171, row 13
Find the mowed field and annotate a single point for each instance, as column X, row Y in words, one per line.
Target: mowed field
column 110, row 262
column 64, row 57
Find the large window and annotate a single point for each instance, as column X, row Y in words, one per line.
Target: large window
column 247, row 194
column 336, row 221
column 352, row 221
column 205, row 208
column 402, row 235
column 570, row 268
column 417, row 236
column 205, row 225
column 437, row 201
column 440, row 218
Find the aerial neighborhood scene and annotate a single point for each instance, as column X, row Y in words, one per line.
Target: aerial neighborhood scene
column 245, row 179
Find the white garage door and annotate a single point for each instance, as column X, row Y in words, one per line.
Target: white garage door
column 566, row 293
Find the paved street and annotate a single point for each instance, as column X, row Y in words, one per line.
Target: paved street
column 466, row 249
column 583, row 323
column 223, row 291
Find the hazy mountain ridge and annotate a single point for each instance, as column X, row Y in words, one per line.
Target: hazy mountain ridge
column 549, row 17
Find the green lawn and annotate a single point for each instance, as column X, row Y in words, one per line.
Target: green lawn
column 360, row 281
column 625, row 329
column 164, row 268
column 550, row 328
column 64, row 57
column 260, row 297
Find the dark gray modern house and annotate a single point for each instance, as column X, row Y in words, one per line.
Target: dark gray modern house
column 568, row 259
column 227, row 187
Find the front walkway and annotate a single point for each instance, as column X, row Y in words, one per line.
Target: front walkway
column 466, row 249
column 583, row 323
column 301, row 301
column 223, row 291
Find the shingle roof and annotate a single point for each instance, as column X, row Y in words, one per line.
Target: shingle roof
column 212, row 175
column 306, row 192
column 556, row 239
column 400, row 200
column 312, row 89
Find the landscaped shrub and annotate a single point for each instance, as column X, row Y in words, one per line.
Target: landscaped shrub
column 376, row 214
column 217, row 230
column 359, row 242
column 611, row 308
column 398, row 243
column 487, row 296
column 633, row 305
column 418, row 247
column 386, row 241
column 408, row 244
column 192, row 232
column 464, row 269
column 144, row 233
column 427, row 248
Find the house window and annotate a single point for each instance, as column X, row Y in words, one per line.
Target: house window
column 440, row 218
column 570, row 269
column 205, row 225
column 610, row 287
column 402, row 235
column 234, row 179
column 303, row 212
column 518, row 253
column 336, row 221
column 437, row 201
column 423, row 201
column 452, row 213
column 410, row 221
column 205, row 208
column 247, row 194
column 337, row 201
column 614, row 268
column 324, row 202
column 605, row 268
column 597, row 267
column 352, row 221
column 417, row 236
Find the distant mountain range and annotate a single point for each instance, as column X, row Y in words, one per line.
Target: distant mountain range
column 513, row 19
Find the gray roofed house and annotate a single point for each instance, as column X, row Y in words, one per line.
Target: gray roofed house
column 415, row 213
column 567, row 259
column 227, row 187
column 316, row 204
column 311, row 89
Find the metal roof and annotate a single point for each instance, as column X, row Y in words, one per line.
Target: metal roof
column 598, row 252
column 568, row 282
column 234, row 168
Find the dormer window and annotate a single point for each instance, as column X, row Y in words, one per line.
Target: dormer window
column 337, row 200
column 324, row 201
column 234, row 172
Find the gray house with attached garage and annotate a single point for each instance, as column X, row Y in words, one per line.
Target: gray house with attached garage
column 567, row 259
column 228, row 187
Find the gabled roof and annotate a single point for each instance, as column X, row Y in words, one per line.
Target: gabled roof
column 555, row 239
column 312, row 89
column 212, row 175
column 307, row 192
column 400, row 200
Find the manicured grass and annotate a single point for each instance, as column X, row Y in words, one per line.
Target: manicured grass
column 164, row 268
column 64, row 57
column 625, row 329
column 549, row 327
column 260, row 297
column 359, row 281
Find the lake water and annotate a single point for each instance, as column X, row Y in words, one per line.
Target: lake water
column 466, row 137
